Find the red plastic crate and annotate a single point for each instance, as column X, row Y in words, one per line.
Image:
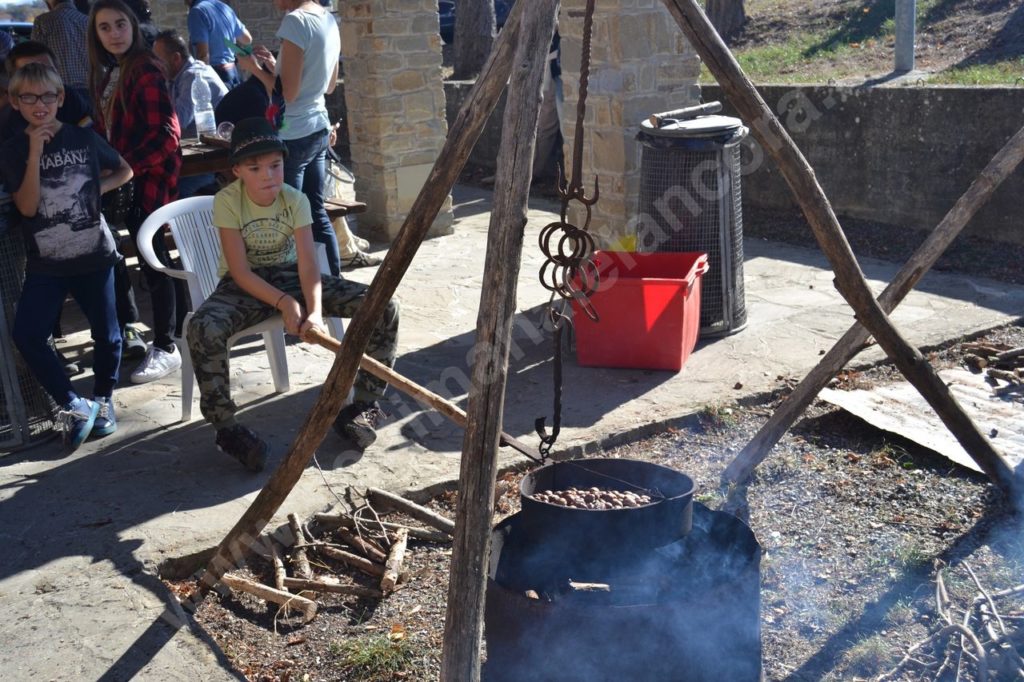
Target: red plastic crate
column 648, row 306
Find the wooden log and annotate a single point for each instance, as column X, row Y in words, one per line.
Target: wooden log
column 393, row 567
column 462, row 136
column 589, row 587
column 998, row 169
column 422, row 395
column 829, row 235
column 460, row 658
column 419, row 512
column 332, row 521
column 300, row 564
column 286, row 599
column 332, row 588
column 1010, row 354
column 279, row 573
column 368, row 548
column 354, row 560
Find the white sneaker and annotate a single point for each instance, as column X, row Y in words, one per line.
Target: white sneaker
column 158, row 364
column 361, row 244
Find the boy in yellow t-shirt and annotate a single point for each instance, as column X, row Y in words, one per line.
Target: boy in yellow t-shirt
column 269, row 265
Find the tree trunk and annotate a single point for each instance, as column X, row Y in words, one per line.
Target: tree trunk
column 727, row 16
column 464, row 618
column 474, row 33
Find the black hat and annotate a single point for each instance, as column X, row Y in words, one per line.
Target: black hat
column 255, row 136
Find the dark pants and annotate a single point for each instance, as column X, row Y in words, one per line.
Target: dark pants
column 42, row 297
column 305, row 169
column 228, row 73
column 127, row 310
column 162, row 289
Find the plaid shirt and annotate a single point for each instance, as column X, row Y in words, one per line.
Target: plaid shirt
column 63, row 30
column 144, row 130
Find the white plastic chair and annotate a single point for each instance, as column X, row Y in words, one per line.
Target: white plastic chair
column 198, row 243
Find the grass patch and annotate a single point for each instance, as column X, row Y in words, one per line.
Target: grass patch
column 999, row 73
column 375, row 659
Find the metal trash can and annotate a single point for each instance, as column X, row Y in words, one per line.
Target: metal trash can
column 690, row 201
column 26, row 411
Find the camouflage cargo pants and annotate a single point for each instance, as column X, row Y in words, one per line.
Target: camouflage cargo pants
column 229, row 309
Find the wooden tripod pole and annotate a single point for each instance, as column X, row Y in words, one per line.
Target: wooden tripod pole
column 998, row 169
column 464, row 617
column 829, row 234
column 462, row 136
column 410, row 388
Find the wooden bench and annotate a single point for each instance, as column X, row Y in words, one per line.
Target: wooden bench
column 336, row 208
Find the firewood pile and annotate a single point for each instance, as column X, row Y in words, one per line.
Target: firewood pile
column 360, row 539
column 984, row 640
column 1003, row 366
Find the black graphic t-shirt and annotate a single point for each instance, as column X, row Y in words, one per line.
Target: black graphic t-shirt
column 68, row 235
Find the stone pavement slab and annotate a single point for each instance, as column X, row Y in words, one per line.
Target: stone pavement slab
column 83, row 534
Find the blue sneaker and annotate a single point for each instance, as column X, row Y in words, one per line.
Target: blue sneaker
column 76, row 420
column 106, row 421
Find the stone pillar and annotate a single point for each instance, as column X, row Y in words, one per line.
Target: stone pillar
column 640, row 64
column 396, row 106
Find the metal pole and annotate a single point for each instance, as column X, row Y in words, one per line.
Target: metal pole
column 906, row 18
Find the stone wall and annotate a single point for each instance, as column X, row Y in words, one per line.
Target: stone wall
column 896, row 155
column 394, row 97
column 259, row 16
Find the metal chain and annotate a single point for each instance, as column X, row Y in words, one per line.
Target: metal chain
column 569, row 270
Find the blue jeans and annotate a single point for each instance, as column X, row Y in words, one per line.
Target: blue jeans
column 305, row 169
column 42, row 297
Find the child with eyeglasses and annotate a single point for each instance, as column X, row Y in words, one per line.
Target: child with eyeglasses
column 56, row 174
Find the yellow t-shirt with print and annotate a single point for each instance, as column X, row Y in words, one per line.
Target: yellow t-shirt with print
column 268, row 231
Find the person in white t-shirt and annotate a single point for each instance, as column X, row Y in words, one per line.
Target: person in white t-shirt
column 307, row 68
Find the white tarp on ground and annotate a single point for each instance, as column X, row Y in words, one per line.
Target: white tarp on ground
column 900, row 409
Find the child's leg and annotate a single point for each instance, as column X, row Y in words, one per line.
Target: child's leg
column 42, row 297
column 94, row 293
column 227, row 311
column 342, row 298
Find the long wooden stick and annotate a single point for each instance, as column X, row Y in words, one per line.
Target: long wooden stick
column 307, row 606
column 333, row 588
column 422, row 395
column 460, row 655
column 332, row 521
column 822, row 219
column 998, row 169
column 462, row 136
column 412, row 509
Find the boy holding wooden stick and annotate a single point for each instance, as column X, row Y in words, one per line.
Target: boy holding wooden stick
column 269, row 265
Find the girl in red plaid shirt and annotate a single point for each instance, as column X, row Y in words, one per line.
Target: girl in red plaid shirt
column 133, row 110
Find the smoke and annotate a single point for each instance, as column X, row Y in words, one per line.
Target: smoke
column 686, row 611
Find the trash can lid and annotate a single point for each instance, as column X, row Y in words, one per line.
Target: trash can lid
column 702, row 126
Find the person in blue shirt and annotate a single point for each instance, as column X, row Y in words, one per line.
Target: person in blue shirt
column 212, row 26
column 181, row 70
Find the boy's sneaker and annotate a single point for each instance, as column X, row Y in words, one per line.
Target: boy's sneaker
column 132, row 345
column 358, row 423
column 106, row 421
column 243, row 444
column 158, row 364
column 76, row 421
